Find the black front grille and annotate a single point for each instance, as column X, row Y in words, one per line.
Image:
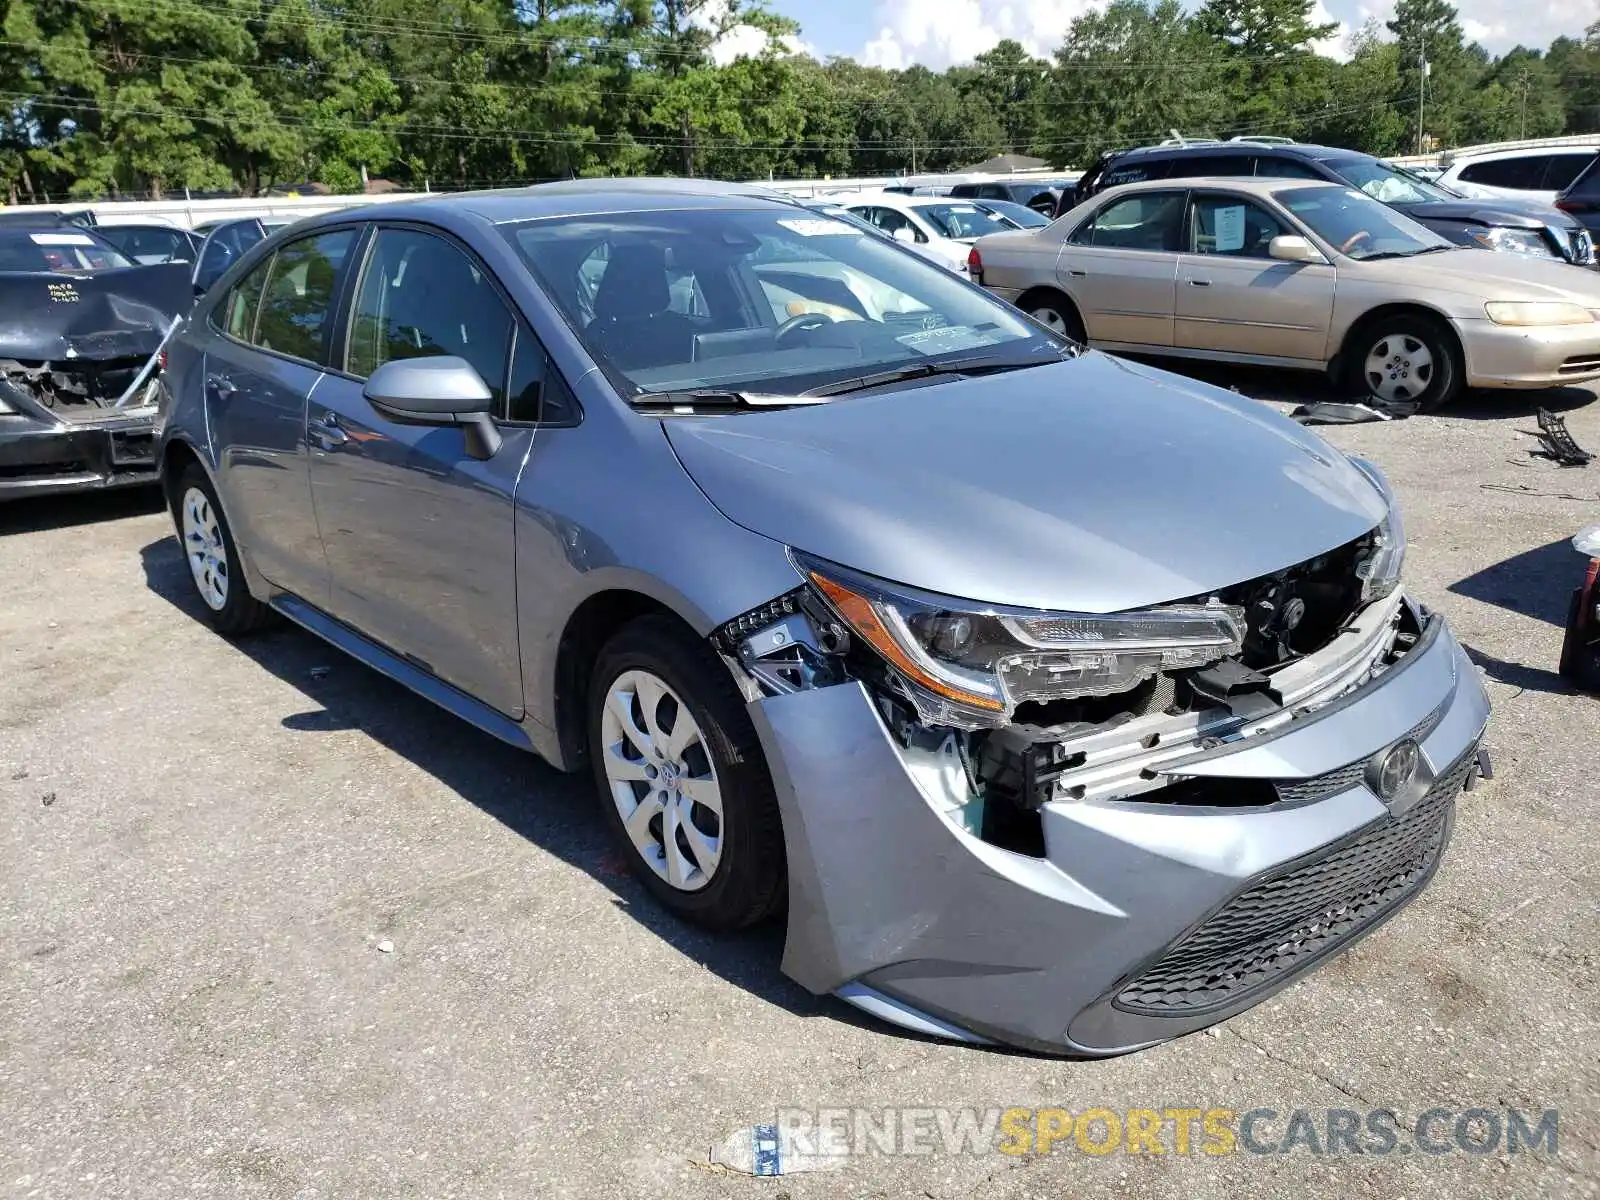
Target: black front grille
column 1289, row 920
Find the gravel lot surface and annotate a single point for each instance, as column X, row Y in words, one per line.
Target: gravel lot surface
column 272, row 927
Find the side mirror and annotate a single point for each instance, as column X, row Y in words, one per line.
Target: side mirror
column 905, row 234
column 1291, row 247
column 437, row 390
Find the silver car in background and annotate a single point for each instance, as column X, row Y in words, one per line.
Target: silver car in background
column 1302, row 274
column 1058, row 701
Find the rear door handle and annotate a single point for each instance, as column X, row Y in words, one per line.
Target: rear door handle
column 1078, row 274
column 221, row 386
column 1198, row 282
column 326, row 432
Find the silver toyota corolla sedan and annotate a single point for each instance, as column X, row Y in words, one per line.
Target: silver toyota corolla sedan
column 1060, row 702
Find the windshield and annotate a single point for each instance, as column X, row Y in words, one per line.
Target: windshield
column 77, row 253
column 1358, row 226
column 960, row 221
column 1383, row 182
column 771, row 301
column 1019, row 215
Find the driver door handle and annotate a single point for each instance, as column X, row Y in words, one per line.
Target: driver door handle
column 326, row 432
column 221, row 386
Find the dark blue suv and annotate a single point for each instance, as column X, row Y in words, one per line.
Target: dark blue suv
column 1515, row 226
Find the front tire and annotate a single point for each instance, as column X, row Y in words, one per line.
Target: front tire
column 1057, row 314
column 683, row 782
column 1406, row 359
column 213, row 558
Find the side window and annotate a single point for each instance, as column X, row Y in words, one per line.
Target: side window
column 1214, row 164
column 1231, row 225
column 1137, row 172
column 238, row 314
column 223, row 248
column 537, row 392
column 1517, row 173
column 299, row 294
column 1563, row 169
column 889, row 220
column 1149, row 221
column 1286, row 168
column 421, row 296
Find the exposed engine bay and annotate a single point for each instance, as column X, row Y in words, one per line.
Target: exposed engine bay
column 1099, row 724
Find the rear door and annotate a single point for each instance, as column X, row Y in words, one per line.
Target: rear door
column 1121, row 267
column 263, row 362
column 419, row 536
column 1234, row 297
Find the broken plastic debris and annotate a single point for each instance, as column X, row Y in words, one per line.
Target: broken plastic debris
column 1328, row 412
column 386, row 947
column 769, row 1150
column 1558, row 442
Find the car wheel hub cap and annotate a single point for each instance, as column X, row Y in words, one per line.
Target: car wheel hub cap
column 1050, row 318
column 1399, row 367
column 203, row 545
column 662, row 780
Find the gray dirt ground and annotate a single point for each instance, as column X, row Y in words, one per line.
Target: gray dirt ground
column 204, row 843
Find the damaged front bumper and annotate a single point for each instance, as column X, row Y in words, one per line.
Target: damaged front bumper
column 1189, row 866
column 42, row 453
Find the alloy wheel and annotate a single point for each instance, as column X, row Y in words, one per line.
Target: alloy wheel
column 662, row 780
column 1399, row 367
column 205, row 549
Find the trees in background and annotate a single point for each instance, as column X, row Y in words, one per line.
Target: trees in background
column 146, row 97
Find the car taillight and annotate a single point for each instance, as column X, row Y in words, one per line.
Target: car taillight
column 1576, row 206
column 161, row 360
column 975, row 265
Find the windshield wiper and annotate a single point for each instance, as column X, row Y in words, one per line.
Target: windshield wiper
column 710, row 398
column 1405, row 253
column 987, row 365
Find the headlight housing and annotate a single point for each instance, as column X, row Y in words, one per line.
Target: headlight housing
column 1537, row 312
column 1513, row 241
column 969, row 664
column 1380, row 570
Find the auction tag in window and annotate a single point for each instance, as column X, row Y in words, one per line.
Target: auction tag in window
column 819, row 227
column 1230, row 228
column 61, row 239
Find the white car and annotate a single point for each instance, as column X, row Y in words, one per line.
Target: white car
column 1535, row 173
column 942, row 228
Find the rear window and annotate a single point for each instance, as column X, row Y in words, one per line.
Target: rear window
column 68, row 251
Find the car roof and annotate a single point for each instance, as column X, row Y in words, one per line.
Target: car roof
column 1472, row 156
column 1248, row 185
column 1259, row 149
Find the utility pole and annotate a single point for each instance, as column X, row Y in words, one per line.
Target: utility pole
column 1422, row 91
column 1523, row 84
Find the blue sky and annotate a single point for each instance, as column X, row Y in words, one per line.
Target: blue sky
column 895, row 33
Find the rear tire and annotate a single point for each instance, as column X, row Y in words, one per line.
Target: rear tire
column 1056, row 313
column 212, row 557
column 1405, row 358
column 691, row 805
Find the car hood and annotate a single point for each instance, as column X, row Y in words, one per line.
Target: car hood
column 1095, row 485
column 1502, row 212
column 1488, row 274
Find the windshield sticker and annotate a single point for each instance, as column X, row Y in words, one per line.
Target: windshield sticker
column 61, row 239
column 948, row 339
column 819, row 227
column 1230, row 229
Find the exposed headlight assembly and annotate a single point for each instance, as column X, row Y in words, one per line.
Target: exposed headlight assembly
column 969, row 665
column 1380, row 570
column 1514, row 241
column 1537, row 312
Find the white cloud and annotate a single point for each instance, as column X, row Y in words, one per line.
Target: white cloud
column 746, row 41
column 939, row 33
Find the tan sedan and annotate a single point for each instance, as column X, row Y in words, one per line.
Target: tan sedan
column 1299, row 274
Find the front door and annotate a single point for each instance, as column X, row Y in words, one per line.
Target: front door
column 1235, row 298
column 1120, row 267
column 419, row 536
column 262, row 364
